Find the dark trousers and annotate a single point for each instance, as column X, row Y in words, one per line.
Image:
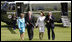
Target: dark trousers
column 30, row 32
column 14, row 24
column 53, row 34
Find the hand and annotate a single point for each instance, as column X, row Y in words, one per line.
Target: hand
column 19, row 28
column 27, row 23
column 48, row 21
column 50, row 17
column 36, row 26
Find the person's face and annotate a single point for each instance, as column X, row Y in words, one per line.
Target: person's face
column 22, row 15
column 41, row 14
column 30, row 13
column 50, row 13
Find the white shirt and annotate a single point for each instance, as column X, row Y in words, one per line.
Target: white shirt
column 50, row 16
column 40, row 21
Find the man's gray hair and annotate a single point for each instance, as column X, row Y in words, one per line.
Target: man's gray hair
column 50, row 12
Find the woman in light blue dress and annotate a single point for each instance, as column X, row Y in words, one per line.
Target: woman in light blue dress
column 21, row 25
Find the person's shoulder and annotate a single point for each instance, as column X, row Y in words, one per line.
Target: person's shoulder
column 44, row 16
column 23, row 18
column 19, row 18
column 52, row 15
column 39, row 17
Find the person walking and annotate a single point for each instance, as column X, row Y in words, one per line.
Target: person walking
column 21, row 25
column 14, row 18
column 30, row 24
column 50, row 25
column 40, row 23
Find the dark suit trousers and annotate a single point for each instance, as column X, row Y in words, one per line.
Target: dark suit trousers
column 30, row 32
column 48, row 30
column 14, row 24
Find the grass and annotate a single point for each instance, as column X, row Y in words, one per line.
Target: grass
column 61, row 34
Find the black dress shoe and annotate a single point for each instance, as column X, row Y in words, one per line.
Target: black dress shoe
column 30, row 39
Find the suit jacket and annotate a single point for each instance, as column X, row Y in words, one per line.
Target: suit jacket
column 31, row 21
column 51, row 21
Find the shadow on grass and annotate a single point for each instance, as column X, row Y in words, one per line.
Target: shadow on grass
column 6, row 26
column 58, row 25
column 18, row 39
column 11, row 30
column 9, row 26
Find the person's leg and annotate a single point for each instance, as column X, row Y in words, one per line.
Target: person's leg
column 20, row 35
column 14, row 25
column 53, row 34
column 32, row 33
column 42, row 31
column 23, row 36
column 28, row 30
column 48, row 32
column 40, row 35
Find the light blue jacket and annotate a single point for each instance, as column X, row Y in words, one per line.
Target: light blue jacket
column 21, row 22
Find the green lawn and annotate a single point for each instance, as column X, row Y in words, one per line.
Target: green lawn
column 61, row 34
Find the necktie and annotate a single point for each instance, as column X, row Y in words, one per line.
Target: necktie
column 29, row 18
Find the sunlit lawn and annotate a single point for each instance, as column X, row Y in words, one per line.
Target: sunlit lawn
column 61, row 34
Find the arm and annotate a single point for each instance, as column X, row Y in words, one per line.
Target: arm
column 37, row 23
column 18, row 24
column 26, row 20
column 52, row 18
column 46, row 19
column 33, row 20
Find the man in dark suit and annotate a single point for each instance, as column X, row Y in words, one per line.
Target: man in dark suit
column 50, row 25
column 30, row 24
column 14, row 18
